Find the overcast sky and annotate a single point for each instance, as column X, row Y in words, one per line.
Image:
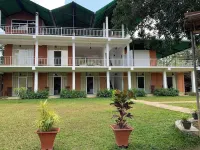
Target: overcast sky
column 93, row 5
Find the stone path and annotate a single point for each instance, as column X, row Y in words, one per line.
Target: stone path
column 165, row 106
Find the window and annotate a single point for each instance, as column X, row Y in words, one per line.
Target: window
column 22, row 24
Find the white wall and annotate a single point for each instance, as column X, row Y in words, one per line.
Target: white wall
column 116, row 56
column 141, row 58
column 64, row 55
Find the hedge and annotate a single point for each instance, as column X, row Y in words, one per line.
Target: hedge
column 72, row 94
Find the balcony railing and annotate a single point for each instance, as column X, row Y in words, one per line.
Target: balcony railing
column 30, row 61
column 90, row 62
column 60, row 31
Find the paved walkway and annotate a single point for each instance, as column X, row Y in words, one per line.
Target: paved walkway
column 177, row 102
column 165, row 106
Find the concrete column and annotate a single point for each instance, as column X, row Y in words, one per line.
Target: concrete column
column 36, row 52
column 36, row 23
column 193, row 81
column 0, row 17
column 104, row 30
column 108, row 80
column 36, row 82
column 107, row 27
column 165, row 79
column 128, row 54
column 74, row 53
column 123, row 34
column 129, row 80
column 108, row 53
column 73, row 80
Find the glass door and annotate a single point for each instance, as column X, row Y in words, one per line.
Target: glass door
column 140, row 82
column 57, row 58
column 90, row 85
column 22, row 82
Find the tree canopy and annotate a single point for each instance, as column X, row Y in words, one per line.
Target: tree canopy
column 166, row 17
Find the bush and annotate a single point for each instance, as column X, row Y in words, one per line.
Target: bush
column 23, row 93
column 166, row 92
column 72, row 94
column 105, row 93
column 137, row 93
column 47, row 119
column 190, row 93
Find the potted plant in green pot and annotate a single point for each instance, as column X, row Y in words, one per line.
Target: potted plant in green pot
column 186, row 124
column 47, row 132
column 121, row 130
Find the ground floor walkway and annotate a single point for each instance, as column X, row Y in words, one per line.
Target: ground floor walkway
column 166, row 105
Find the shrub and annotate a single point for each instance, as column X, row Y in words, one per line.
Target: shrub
column 47, row 119
column 190, row 93
column 122, row 103
column 137, row 93
column 166, row 92
column 72, row 94
column 105, row 93
column 23, row 93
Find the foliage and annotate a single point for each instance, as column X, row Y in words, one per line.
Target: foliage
column 166, row 92
column 138, row 93
column 122, row 102
column 23, row 93
column 72, row 94
column 105, row 93
column 47, row 119
column 190, row 93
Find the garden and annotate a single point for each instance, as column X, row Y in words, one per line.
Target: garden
column 85, row 124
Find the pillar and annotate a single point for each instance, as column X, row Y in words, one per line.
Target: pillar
column 123, row 34
column 0, row 18
column 128, row 54
column 193, row 81
column 108, row 80
column 129, row 80
column 36, row 23
column 36, row 82
column 73, row 80
column 107, row 27
column 104, row 30
column 73, row 53
column 36, row 52
column 107, row 52
column 165, row 79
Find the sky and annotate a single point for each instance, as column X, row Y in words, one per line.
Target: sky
column 93, row 5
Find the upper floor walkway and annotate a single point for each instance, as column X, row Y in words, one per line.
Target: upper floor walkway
column 61, row 31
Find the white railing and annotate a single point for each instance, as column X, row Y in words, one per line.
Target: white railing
column 59, row 31
column 17, row 30
column 16, row 61
column 90, row 62
column 30, row 61
column 115, row 33
column 55, row 62
column 71, row 31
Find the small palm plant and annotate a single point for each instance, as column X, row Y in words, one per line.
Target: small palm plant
column 123, row 103
column 47, row 119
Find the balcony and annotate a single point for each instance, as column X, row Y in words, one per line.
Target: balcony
column 60, row 31
column 93, row 62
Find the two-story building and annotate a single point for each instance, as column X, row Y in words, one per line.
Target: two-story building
column 60, row 48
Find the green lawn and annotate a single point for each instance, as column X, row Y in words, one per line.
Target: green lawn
column 164, row 98
column 186, row 105
column 85, row 126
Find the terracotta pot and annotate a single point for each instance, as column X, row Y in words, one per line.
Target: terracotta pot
column 47, row 138
column 121, row 135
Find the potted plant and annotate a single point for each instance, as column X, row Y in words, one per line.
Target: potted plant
column 47, row 132
column 121, row 130
column 195, row 114
column 186, row 124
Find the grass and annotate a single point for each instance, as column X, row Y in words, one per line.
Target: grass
column 167, row 99
column 185, row 105
column 85, row 125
